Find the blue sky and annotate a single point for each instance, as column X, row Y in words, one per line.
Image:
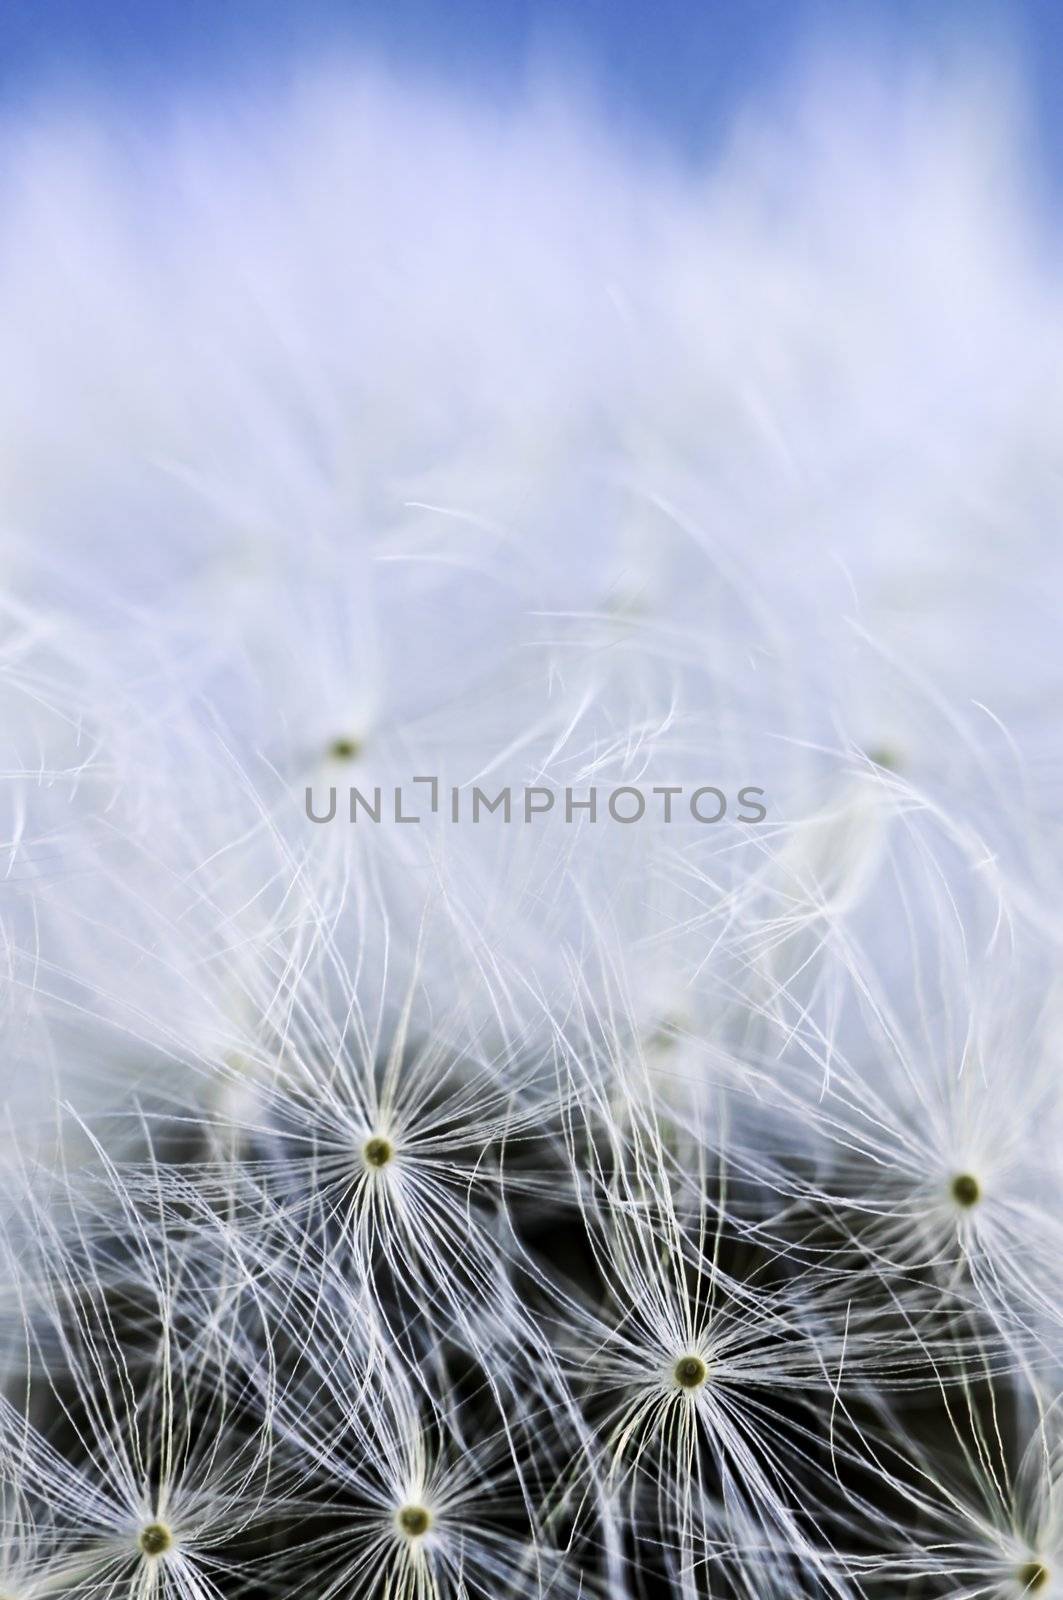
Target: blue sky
column 675, row 66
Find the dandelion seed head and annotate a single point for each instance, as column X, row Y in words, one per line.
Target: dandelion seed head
column 413, row 1521
column 378, row 1151
column 155, row 1539
column 690, row 1372
column 493, row 1145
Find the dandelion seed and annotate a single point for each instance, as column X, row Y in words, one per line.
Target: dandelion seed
column 378, row 1151
column 966, row 1190
column 344, row 749
column 155, row 1539
column 1033, row 1576
column 690, row 1372
column 414, row 1521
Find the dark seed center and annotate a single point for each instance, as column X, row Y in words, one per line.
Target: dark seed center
column 690, row 1371
column 414, row 1521
column 155, row 1539
column 344, row 749
column 1033, row 1576
column 378, row 1152
column 966, row 1190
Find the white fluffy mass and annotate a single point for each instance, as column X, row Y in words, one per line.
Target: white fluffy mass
column 482, row 1208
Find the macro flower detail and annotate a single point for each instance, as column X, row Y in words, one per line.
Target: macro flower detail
column 531, row 1005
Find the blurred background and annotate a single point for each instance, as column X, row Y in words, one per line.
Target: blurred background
column 702, row 359
column 671, row 70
